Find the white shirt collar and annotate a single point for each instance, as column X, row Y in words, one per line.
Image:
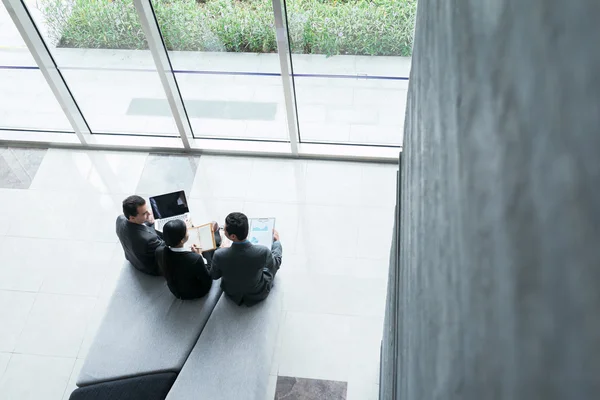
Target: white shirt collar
column 179, row 249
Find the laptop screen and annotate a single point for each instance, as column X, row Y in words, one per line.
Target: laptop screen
column 169, row 205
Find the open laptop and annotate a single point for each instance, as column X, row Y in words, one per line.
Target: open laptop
column 168, row 207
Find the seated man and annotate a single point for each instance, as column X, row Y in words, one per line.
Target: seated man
column 247, row 271
column 135, row 229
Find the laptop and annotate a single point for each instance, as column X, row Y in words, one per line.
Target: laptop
column 168, row 207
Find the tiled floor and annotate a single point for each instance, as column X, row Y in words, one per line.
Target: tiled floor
column 19, row 166
column 60, row 258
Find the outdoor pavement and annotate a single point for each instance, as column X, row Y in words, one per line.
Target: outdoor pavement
column 118, row 91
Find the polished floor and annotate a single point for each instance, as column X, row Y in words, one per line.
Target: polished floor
column 60, row 256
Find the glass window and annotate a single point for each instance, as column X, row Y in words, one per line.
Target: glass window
column 26, row 100
column 102, row 53
column 351, row 68
column 224, row 54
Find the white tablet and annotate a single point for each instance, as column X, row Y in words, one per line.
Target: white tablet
column 261, row 231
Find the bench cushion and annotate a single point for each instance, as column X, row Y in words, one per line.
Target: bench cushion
column 232, row 359
column 145, row 329
column 146, row 387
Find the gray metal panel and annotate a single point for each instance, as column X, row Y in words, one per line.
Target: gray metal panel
column 165, row 71
column 285, row 63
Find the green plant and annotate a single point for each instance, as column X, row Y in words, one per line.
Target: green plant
column 331, row 27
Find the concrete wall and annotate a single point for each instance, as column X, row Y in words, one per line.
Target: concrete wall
column 500, row 220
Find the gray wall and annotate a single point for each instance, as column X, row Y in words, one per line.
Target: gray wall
column 500, row 218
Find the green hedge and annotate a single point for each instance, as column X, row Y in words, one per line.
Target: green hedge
column 360, row 27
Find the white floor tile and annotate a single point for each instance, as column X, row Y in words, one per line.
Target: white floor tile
column 4, row 359
column 330, row 347
column 222, row 177
column 109, row 283
column 80, row 268
column 276, row 360
column 51, row 265
column 271, row 388
column 328, row 231
column 10, row 200
column 89, row 171
column 93, row 325
column 29, row 377
column 53, row 216
column 358, row 390
column 99, row 225
column 378, row 185
column 277, row 181
column 71, row 386
column 204, row 210
column 63, row 215
column 63, row 169
column 316, row 346
column 375, row 227
column 4, row 226
column 333, row 183
column 25, row 263
column 296, row 263
column 74, row 282
column 287, row 219
column 116, row 172
column 56, row 325
column 373, row 267
column 367, row 335
column 14, row 310
column 343, row 266
column 340, row 295
column 165, row 173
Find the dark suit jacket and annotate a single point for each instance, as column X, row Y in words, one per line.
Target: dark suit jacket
column 246, row 270
column 185, row 272
column 139, row 244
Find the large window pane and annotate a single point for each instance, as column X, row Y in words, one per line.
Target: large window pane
column 102, row 52
column 350, row 65
column 227, row 68
column 26, row 101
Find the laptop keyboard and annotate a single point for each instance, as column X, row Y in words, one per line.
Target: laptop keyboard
column 161, row 223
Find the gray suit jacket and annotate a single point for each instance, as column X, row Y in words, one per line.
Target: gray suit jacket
column 247, row 271
column 139, row 244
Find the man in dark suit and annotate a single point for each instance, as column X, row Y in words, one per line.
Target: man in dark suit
column 246, row 270
column 135, row 229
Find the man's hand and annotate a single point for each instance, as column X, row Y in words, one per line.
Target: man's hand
column 196, row 249
column 150, row 218
column 275, row 235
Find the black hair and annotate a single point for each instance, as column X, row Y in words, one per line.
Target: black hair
column 131, row 204
column 237, row 224
column 173, row 233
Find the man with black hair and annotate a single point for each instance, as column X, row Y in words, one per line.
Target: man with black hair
column 246, row 270
column 135, row 229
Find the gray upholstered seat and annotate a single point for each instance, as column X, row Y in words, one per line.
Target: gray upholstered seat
column 233, row 356
column 145, row 329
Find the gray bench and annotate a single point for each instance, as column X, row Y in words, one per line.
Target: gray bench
column 210, row 348
column 146, row 330
column 232, row 359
